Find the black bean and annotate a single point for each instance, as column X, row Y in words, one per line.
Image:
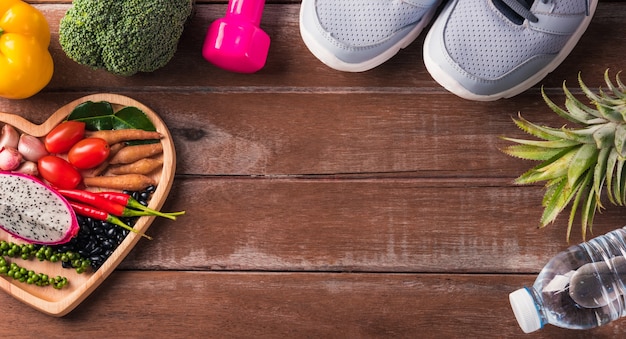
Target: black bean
column 111, row 232
column 96, row 251
column 107, row 244
column 86, row 228
column 143, row 197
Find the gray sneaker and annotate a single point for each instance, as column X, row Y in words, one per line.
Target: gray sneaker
column 358, row 35
column 491, row 49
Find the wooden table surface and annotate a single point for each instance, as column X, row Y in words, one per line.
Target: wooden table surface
column 326, row 204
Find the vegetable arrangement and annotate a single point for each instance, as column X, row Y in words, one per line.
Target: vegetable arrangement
column 76, row 164
column 578, row 162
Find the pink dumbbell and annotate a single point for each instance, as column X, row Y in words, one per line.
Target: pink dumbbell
column 235, row 42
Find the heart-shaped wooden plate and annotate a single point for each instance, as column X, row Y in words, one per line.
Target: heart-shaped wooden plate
column 58, row 302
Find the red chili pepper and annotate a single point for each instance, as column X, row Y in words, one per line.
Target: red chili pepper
column 92, row 212
column 128, row 201
column 106, row 205
column 118, row 197
column 94, row 200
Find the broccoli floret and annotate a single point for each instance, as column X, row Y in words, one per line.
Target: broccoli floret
column 123, row 36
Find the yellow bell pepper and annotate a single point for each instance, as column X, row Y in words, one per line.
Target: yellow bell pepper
column 26, row 65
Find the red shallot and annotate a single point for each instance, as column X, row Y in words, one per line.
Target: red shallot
column 10, row 158
column 9, row 136
column 31, row 148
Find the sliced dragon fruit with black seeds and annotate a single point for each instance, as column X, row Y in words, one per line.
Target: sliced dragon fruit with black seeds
column 32, row 211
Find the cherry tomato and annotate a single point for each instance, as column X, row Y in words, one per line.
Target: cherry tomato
column 63, row 136
column 58, row 172
column 88, row 153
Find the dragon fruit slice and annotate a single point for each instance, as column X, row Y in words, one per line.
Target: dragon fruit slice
column 32, row 211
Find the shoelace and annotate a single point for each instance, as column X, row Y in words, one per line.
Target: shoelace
column 522, row 8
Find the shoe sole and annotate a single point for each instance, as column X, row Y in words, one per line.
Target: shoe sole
column 455, row 87
column 332, row 61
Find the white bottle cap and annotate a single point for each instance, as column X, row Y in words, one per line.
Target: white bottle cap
column 525, row 310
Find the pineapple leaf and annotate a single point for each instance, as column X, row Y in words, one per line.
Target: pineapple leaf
column 530, row 152
column 622, row 110
column 621, row 88
column 574, row 208
column 611, row 163
column 583, row 135
column 609, row 101
column 555, row 201
column 545, row 144
column 541, row 132
column 572, row 214
column 620, row 175
column 588, row 93
column 618, row 185
column 604, row 136
column 620, row 139
column 587, row 214
column 585, row 157
column 553, row 187
column 599, row 173
column 561, row 112
column 558, row 196
column 577, row 110
column 549, row 169
column 609, row 113
column 618, row 92
column 602, row 103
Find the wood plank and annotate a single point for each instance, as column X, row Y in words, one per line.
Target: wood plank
column 137, row 304
column 376, row 225
column 376, row 134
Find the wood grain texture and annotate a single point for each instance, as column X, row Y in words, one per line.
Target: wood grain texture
column 327, row 204
column 294, row 305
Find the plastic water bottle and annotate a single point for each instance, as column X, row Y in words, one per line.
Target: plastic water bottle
column 580, row 288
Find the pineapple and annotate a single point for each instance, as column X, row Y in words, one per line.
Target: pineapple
column 578, row 162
